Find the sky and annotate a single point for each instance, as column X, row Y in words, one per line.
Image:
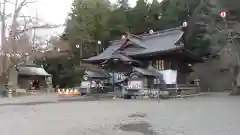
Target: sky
column 53, row 12
column 56, row 11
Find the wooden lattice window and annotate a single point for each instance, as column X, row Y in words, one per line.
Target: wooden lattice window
column 159, row 65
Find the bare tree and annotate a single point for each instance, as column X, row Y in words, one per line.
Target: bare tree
column 16, row 42
column 54, row 47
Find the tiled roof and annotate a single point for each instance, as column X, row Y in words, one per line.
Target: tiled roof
column 150, row 71
column 97, row 74
column 32, row 70
column 148, row 43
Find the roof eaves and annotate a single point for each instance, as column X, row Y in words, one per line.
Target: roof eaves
column 161, row 51
column 123, row 43
column 147, row 71
column 138, row 54
column 195, row 57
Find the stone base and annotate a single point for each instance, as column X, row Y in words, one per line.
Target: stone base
column 234, row 94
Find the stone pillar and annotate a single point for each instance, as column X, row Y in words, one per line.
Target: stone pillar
column 10, row 93
column 88, row 90
column 13, row 78
column 197, row 82
column 49, row 87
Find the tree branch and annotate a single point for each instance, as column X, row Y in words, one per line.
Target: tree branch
column 22, row 4
column 46, row 26
column 191, row 21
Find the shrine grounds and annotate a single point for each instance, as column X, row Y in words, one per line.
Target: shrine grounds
column 211, row 114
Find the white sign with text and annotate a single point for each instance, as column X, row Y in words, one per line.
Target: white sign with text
column 85, row 84
column 135, row 84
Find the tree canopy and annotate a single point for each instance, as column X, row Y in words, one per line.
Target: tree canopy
column 91, row 21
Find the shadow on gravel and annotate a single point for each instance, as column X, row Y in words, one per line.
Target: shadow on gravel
column 142, row 127
column 137, row 115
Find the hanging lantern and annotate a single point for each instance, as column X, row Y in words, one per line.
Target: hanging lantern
column 85, row 78
column 184, row 24
column 99, row 42
column 223, row 14
column 151, row 32
column 160, row 16
column 123, row 37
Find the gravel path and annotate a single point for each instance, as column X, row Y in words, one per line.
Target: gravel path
column 216, row 114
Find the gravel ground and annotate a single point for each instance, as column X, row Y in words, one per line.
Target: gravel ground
column 216, row 114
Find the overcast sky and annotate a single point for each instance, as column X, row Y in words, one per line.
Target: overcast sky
column 53, row 11
column 56, row 10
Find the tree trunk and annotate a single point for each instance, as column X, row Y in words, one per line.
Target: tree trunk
column 3, row 44
column 235, row 71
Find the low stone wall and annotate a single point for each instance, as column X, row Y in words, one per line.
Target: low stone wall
column 189, row 91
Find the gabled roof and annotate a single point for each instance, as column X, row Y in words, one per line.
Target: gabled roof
column 122, row 57
column 97, row 74
column 160, row 41
column 31, row 70
column 28, row 68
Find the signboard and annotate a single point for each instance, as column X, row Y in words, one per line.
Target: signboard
column 85, row 84
column 135, row 84
column 93, row 84
column 157, row 81
column 118, row 77
column 97, row 84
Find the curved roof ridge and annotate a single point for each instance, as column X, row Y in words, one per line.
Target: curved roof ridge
column 160, row 32
column 148, row 34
